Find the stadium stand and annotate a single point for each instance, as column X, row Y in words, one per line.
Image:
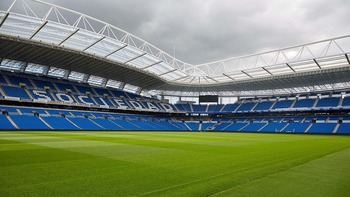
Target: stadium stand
column 52, row 91
column 102, row 86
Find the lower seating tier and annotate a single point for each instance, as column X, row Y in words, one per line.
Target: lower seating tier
column 28, row 118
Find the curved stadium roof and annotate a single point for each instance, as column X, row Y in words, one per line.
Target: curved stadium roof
column 87, row 49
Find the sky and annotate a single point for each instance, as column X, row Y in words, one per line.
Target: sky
column 208, row 30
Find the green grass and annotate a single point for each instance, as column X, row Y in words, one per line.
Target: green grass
column 172, row 164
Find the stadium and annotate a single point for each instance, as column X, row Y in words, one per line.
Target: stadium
column 90, row 109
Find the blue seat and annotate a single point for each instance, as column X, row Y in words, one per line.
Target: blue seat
column 296, row 127
column 2, row 80
column 180, row 126
column 59, row 123
column 85, row 89
column 187, row 107
column 32, row 110
column 253, row 127
column 263, row 106
column 85, row 123
column 246, row 107
column 230, row 107
column 205, row 126
column 180, row 107
column 193, row 126
column 5, row 123
column 29, row 122
column 215, row 108
column 221, row 126
column 344, row 128
column 107, row 124
column 119, row 94
column 328, row 102
column 101, row 92
column 63, row 87
column 273, row 127
column 199, row 108
column 304, row 103
column 282, row 104
column 100, row 100
column 15, row 92
column 235, row 126
column 132, row 96
column 17, row 80
column 12, row 110
column 41, row 84
column 126, row 125
column 58, row 112
column 322, row 128
column 346, row 101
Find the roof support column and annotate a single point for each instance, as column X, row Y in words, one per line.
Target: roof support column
column 66, row 74
column 85, row 79
column 121, row 86
column 139, row 90
column 46, row 70
column 23, row 67
column 104, row 82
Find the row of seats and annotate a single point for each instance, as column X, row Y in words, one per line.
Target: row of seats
column 60, row 119
column 295, row 127
column 18, row 93
column 243, row 106
column 54, row 85
column 284, row 119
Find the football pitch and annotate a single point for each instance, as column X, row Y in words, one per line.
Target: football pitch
column 173, row 164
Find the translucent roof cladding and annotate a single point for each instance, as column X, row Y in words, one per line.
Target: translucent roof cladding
column 87, row 41
column 55, row 25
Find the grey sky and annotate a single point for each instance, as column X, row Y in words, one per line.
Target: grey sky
column 208, row 30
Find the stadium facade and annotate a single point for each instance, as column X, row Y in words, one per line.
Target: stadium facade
column 61, row 69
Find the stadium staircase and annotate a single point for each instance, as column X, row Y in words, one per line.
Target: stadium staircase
column 336, row 128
